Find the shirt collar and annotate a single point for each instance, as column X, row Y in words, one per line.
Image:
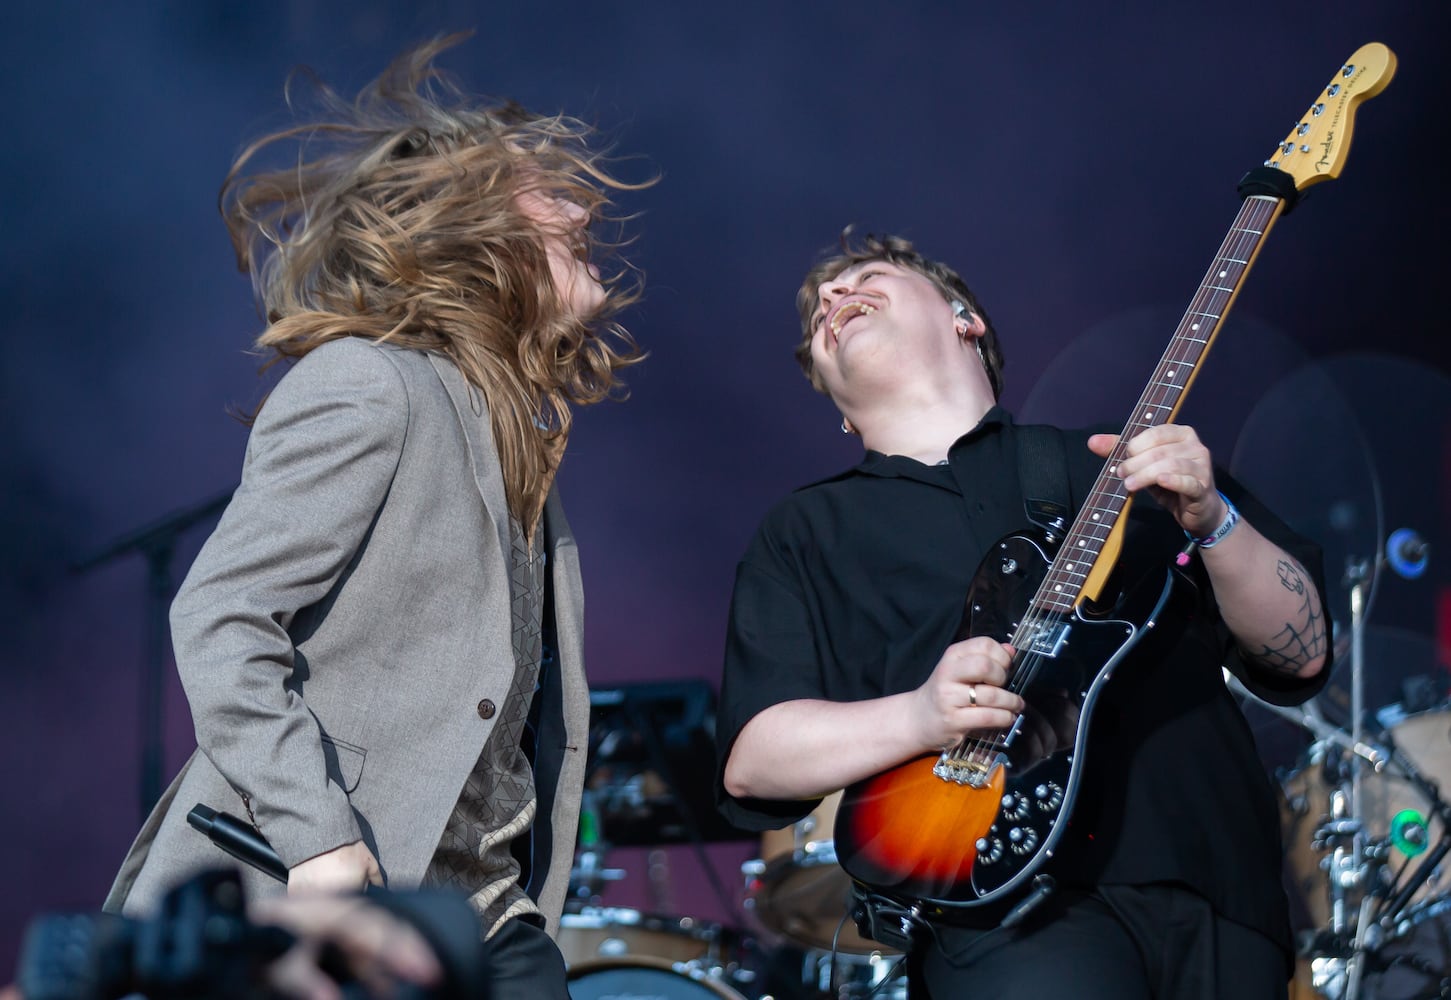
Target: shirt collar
column 874, row 463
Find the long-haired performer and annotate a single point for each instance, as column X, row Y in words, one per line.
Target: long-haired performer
column 380, row 643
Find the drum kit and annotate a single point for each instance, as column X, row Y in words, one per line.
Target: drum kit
column 649, row 746
column 1366, row 829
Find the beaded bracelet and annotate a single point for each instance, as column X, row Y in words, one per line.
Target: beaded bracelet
column 1231, row 518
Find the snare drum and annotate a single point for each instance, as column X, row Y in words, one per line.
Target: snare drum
column 643, row 979
column 797, row 889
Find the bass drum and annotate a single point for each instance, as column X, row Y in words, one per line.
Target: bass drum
column 642, row 979
column 798, row 891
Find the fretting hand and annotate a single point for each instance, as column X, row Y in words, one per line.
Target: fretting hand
column 1175, row 467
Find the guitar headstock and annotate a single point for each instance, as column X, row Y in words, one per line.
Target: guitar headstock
column 1316, row 148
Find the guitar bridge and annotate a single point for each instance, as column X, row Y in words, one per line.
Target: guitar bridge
column 964, row 771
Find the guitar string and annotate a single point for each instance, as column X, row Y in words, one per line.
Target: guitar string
column 1155, row 403
column 1159, row 397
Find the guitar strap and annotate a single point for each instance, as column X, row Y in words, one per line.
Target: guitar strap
column 1043, row 476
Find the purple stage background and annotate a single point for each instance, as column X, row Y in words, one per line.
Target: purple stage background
column 1077, row 162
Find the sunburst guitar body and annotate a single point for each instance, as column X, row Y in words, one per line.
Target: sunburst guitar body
column 975, row 826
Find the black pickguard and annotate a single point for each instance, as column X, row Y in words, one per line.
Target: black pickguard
column 1061, row 677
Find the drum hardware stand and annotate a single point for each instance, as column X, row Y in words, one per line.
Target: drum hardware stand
column 655, row 751
column 588, row 876
column 157, row 542
column 1388, row 916
column 1339, row 951
column 1355, row 863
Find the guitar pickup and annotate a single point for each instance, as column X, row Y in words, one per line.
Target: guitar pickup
column 1045, row 638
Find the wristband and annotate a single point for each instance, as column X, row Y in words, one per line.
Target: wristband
column 1231, row 518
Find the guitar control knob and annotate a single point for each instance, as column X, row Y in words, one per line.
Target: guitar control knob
column 989, row 850
column 1023, row 840
column 1049, row 795
column 1010, row 566
column 1015, row 807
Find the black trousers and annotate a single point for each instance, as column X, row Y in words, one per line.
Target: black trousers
column 524, row 963
column 1115, row 943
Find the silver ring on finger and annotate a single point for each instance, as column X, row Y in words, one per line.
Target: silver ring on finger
column 972, row 695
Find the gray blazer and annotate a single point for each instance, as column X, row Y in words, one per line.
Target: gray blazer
column 344, row 635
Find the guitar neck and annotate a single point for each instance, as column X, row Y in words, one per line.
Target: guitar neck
column 1087, row 555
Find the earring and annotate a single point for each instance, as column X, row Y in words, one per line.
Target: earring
column 960, row 313
column 846, row 427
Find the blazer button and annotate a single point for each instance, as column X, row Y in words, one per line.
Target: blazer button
column 486, row 709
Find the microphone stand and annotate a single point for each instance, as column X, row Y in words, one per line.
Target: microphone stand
column 157, row 543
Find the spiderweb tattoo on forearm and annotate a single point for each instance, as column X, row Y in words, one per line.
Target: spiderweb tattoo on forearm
column 1303, row 638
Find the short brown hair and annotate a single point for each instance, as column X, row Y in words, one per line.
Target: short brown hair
column 893, row 250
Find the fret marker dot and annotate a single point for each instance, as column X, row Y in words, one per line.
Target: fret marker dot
column 1081, row 543
column 1059, row 588
column 1194, row 327
column 1173, row 373
column 1223, row 273
column 1095, row 517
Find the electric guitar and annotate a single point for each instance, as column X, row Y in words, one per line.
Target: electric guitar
column 976, row 824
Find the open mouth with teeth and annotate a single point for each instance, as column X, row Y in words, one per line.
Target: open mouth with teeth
column 849, row 312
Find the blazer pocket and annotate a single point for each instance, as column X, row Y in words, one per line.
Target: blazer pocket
column 344, row 762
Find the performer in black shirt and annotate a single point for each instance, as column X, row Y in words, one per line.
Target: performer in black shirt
column 841, row 660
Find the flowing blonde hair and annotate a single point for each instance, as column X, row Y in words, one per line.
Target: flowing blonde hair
column 397, row 222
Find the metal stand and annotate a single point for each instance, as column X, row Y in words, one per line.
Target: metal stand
column 1349, row 873
column 1366, row 911
column 157, row 542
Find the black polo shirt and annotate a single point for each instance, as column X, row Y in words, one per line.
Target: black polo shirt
column 853, row 587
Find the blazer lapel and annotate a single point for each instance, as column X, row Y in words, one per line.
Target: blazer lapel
column 473, row 415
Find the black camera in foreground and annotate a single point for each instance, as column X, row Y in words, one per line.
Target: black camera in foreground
column 198, row 944
column 201, row 944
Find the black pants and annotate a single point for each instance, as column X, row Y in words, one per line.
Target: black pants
column 524, row 963
column 1116, row 943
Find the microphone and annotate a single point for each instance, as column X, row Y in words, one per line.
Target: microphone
column 238, row 839
column 1407, row 553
